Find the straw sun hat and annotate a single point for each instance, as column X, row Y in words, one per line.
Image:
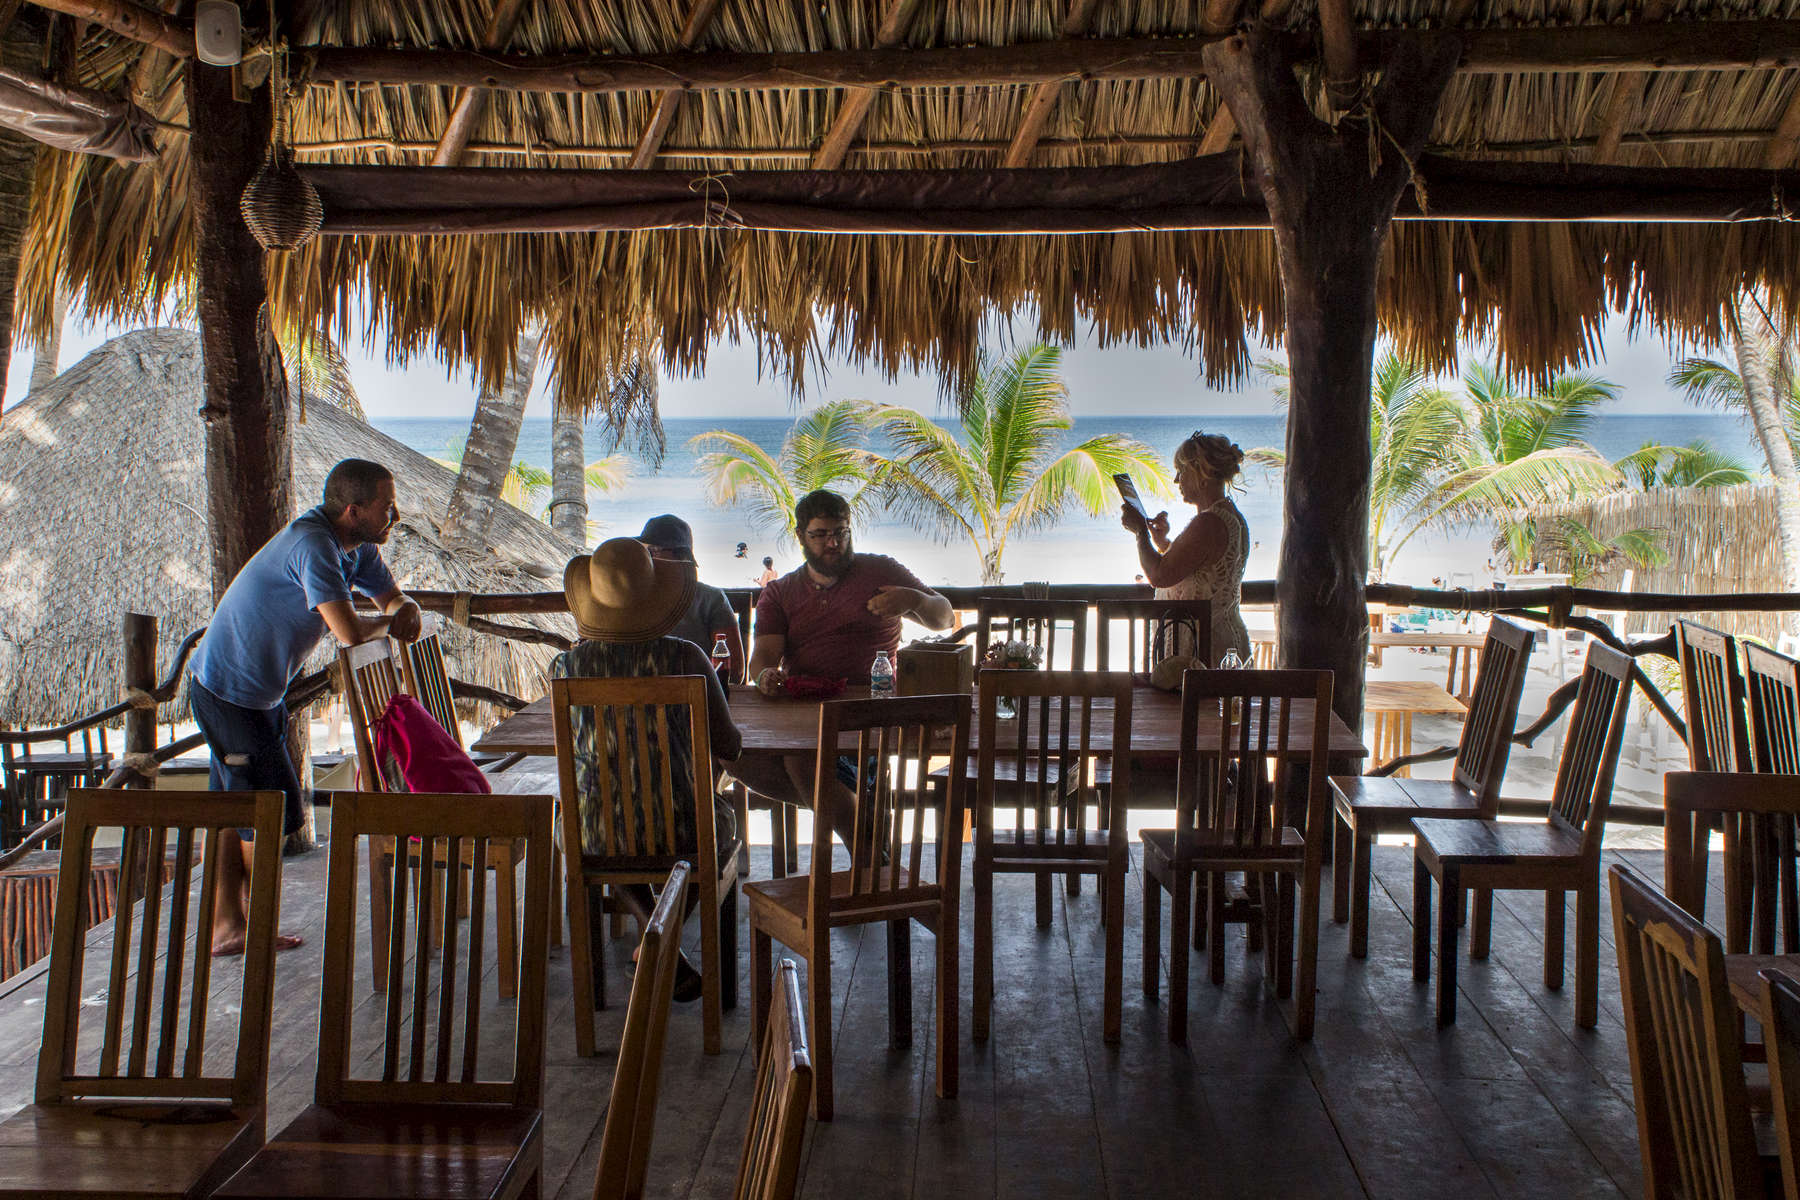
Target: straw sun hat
column 620, row 594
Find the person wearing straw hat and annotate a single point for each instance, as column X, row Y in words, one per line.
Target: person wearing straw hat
column 625, row 603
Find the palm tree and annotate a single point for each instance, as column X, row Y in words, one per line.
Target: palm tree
column 1005, row 474
column 633, row 390
column 828, row 448
column 493, row 437
column 1697, row 464
column 313, row 360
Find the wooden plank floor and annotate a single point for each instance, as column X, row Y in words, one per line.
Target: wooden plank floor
column 1511, row 1102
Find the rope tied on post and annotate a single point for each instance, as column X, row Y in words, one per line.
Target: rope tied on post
column 145, row 766
column 139, row 699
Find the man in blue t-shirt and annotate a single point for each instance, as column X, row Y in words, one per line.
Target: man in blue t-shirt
column 270, row 618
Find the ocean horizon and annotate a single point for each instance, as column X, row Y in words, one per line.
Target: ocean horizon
column 1079, row 549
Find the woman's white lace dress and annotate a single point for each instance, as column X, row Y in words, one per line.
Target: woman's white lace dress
column 1222, row 582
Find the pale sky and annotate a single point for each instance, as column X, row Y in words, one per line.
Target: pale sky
column 1124, row 380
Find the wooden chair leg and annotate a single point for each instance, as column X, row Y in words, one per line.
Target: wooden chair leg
column 1554, row 904
column 1587, row 954
column 581, row 961
column 790, row 823
column 1181, row 892
column 900, row 1022
column 1450, row 885
column 379, row 911
column 1112, row 890
column 556, row 900
column 1267, row 903
column 1045, row 913
column 1284, row 935
column 762, row 983
column 948, row 1001
column 506, row 921
column 710, row 967
column 1202, row 921
column 728, row 949
column 1481, row 926
column 1215, row 922
column 1152, row 931
column 982, row 1006
column 778, row 841
column 818, row 1024
column 1341, row 851
column 1306, row 955
column 1359, row 894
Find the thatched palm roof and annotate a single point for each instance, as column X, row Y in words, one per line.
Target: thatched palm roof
column 103, row 511
column 1539, row 290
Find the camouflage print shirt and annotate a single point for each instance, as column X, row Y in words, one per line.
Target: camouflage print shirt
column 664, row 656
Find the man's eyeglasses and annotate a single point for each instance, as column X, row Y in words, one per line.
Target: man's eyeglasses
column 823, row 537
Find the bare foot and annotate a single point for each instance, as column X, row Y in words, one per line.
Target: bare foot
column 232, row 944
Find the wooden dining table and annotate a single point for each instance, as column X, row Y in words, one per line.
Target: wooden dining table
column 784, row 726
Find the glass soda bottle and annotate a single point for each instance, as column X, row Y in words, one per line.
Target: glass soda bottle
column 881, row 677
column 721, row 659
column 1231, row 662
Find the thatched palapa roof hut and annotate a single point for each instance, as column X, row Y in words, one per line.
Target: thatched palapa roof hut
column 103, row 512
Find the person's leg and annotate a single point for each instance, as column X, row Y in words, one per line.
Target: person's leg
column 249, row 753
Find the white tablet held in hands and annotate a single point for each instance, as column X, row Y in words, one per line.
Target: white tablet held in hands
column 1128, row 491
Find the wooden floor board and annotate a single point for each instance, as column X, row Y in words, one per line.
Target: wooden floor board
column 1511, row 1101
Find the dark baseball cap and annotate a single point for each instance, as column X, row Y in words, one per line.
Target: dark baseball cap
column 669, row 532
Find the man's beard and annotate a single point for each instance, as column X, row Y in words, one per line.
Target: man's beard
column 832, row 569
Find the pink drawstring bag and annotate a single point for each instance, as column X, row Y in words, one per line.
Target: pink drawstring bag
column 419, row 755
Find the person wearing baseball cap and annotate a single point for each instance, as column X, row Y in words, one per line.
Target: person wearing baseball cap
column 626, row 605
column 709, row 613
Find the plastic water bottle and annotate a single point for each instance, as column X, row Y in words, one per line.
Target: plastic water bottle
column 1231, row 662
column 881, row 677
column 721, row 659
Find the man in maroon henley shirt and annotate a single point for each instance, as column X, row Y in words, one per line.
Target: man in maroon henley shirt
column 829, row 617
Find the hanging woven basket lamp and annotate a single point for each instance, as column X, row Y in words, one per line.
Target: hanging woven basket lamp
column 281, row 208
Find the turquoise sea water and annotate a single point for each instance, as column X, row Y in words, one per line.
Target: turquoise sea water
column 1081, row 549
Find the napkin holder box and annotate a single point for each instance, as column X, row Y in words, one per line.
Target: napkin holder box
column 935, row 668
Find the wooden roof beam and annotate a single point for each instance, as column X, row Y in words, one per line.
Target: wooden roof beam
column 471, row 102
column 134, row 21
column 1337, row 30
column 669, row 99
column 1589, row 49
column 1044, row 95
column 855, row 106
column 1199, row 193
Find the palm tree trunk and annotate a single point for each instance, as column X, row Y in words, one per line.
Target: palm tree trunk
column 488, row 454
column 43, row 361
column 1758, row 354
column 568, row 474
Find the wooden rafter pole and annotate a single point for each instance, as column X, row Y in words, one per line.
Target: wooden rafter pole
column 855, row 106
column 1779, row 152
column 1621, row 108
column 471, row 102
column 21, row 49
column 1337, row 32
column 1585, row 49
column 1330, row 207
column 669, row 99
column 1219, row 131
column 1044, row 95
column 134, row 21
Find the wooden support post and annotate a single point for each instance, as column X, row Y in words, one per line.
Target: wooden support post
column 249, row 460
column 1330, row 206
column 140, row 675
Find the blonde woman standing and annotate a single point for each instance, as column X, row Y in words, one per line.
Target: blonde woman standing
column 1205, row 561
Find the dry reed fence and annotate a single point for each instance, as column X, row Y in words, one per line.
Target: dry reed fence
column 1719, row 539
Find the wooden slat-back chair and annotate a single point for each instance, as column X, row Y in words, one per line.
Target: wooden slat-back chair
column 371, row 677
column 448, row 1113
column 1712, row 692
column 1135, row 635
column 1368, row 806
column 1556, row 855
column 1781, row 1002
column 154, row 1109
column 1772, row 684
column 426, row 677
column 897, row 874
column 641, row 710
column 1057, row 627
column 1250, row 740
column 770, row 1166
column 631, row 1110
column 1687, row 1078
column 1031, row 764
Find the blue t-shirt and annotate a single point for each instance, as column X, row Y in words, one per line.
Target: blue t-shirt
column 268, row 621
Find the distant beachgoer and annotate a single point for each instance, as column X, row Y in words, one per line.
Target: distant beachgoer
column 768, row 575
column 270, row 618
column 1206, row 560
column 743, row 549
column 1137, row 579
column 709, row 615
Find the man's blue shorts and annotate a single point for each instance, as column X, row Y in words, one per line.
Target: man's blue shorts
column 259, row 737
